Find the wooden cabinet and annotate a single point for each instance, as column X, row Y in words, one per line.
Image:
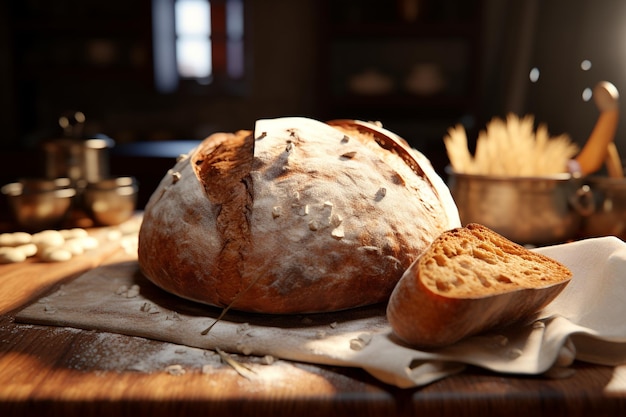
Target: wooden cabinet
column 411, row 64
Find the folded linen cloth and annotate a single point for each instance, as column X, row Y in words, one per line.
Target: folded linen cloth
column 585, row 321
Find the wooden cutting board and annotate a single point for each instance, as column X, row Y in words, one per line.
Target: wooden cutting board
column 117, row 298
column 33, row 278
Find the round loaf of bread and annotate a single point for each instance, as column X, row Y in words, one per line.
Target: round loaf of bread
column 295, row 216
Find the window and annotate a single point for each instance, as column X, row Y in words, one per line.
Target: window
column 199, row 42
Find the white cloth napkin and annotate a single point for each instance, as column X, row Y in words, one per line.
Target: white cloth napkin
column 585, row 321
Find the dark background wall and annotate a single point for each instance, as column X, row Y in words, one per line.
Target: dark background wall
column 282, row 35
column 555, row 36
column 287, row 55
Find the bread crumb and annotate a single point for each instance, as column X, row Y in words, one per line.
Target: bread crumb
column 174, row 316
column 149, row 308
column 176, row 370
column 338, row 233
column 268, row 360
column 245, row 349
column 336, row 220
column 356, row 344
column 126, row 292
column 514, row 353
column 361, row 341
column 121, row 290
column 133, row 291
column 243, row 328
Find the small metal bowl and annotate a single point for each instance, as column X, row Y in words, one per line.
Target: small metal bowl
column 44, row 184
column 38, row 204
column 110, row 201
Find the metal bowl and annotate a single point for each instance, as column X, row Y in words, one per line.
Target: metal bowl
column 527, row 210
column 110, row 201
column 609, row 217
column 44, row 184
column 38, row 204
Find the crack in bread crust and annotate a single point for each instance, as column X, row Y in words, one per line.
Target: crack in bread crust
column 224, row 171
column 299, row 217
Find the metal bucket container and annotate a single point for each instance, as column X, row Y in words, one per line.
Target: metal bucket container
column 527, row 210
column 609, row 216
column 79, row 160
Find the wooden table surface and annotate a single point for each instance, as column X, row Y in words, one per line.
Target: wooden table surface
column 63, row 371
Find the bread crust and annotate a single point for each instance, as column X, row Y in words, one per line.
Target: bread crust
column 426, row 317
column 296, row 216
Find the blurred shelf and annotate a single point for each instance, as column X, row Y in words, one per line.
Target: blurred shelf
column 394, row 40
column 401, row 29
column 66, row 26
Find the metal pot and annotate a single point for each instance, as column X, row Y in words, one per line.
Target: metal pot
column 609, row 217
column 78, row 160
column 74, row 156
column 527, row 210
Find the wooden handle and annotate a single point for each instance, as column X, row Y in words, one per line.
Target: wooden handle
column 595, row 152
column 613, row 162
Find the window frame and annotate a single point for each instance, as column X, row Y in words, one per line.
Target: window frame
column 220, row 81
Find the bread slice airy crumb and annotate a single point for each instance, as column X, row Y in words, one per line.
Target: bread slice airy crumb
column 475, row 262
column 468, row 281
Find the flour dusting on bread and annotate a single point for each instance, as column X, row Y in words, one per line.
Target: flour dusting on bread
column 294, row 216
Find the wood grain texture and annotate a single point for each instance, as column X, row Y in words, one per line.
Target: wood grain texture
column 62, row 371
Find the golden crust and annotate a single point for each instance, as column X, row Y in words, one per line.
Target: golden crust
column 296, row 217
column 471, row 280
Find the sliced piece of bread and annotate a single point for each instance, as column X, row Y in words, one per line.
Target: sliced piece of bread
column 468, row 281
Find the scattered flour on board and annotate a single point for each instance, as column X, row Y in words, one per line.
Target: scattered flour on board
column 114, row 352
column 110, row 352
